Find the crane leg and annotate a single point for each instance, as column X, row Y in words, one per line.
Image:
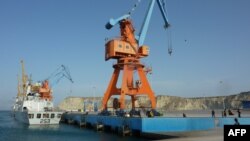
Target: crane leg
column 133, row 101
column 127, row 83
column 127, row 87
column 111, row 90
column 145, row 88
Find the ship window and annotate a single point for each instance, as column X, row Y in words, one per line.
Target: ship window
column 46, row 109
column 31, row 116
column 59, row 115
column 52, row 115
column 45, row 115
column 38, row 116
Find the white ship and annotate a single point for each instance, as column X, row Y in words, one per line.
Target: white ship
column 34, row 103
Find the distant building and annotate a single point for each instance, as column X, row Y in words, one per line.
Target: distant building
column 90, row 106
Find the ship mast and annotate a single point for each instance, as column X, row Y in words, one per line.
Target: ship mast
column 24, row 80
column 18, row 87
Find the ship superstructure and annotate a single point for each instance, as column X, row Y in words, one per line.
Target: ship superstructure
column 34, row 103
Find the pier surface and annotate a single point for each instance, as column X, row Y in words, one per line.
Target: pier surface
column 173, row 128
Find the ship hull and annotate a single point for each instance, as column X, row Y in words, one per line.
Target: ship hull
column 38, row 118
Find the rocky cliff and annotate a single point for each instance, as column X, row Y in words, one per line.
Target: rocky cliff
column 163, row 102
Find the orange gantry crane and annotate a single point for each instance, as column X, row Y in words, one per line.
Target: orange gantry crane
column 128, row 49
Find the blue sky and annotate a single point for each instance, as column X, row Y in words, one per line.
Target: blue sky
column 210, row 41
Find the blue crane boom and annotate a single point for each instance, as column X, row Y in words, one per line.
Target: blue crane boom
column 112, row 22
column 145, row 26
column 143, row 32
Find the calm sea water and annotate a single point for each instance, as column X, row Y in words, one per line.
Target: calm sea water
column 12, row 130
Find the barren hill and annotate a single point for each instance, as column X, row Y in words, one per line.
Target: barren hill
column 163, row 102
